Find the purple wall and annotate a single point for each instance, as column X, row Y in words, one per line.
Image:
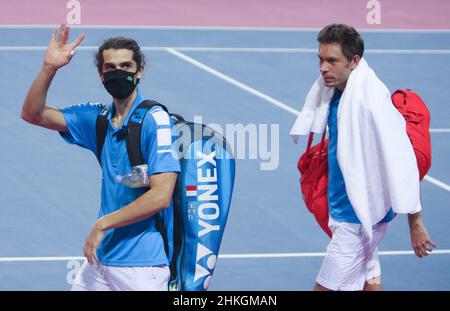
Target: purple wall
column 239, row 13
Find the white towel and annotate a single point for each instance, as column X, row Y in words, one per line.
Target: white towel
column 374, row 152
column 313, row 117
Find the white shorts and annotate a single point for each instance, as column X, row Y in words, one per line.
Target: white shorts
column 351, row 259
column 113, row 278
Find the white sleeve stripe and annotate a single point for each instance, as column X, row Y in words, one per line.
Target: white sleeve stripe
column 165, row 147
column 164, row 137
column 165, row 151
column 161, row 117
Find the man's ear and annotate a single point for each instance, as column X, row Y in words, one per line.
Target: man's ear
column 102, row 78
column 355, row 62
column 140, row 72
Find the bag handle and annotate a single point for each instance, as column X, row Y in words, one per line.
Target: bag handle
column 310, row 140
column 322, row 142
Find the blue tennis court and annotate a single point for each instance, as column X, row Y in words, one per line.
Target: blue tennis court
column 51, row 191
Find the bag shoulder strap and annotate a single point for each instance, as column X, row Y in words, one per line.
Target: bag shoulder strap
column 310, row 140
column 101, row 127
column 133, row 138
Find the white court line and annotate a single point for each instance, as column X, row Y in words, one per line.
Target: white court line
column 319, row 254
column 442, row 131
column 80, row 48
column 242, row 50
column 26, row 259
column 265, row 97
column 223, row 256
column 308, row 50
column 436, row 182
column 407, row 51
column 230, row 80
column 224, row 28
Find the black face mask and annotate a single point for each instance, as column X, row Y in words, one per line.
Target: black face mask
column 119, row 83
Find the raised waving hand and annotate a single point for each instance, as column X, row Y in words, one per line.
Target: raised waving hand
column 59, row 52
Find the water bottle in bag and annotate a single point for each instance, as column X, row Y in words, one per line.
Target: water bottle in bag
column 137, row 178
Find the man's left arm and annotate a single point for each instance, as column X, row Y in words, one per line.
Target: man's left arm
column 147, row 205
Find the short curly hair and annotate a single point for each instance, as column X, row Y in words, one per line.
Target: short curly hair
column 120, row 43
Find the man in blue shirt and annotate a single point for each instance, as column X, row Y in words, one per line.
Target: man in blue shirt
column 124, row 249
column 351, row 261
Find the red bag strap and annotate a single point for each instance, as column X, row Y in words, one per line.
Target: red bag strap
column 310, row 140
column 322, row 142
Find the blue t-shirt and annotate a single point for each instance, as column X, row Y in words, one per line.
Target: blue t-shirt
column 339, row 205
column 138, row 244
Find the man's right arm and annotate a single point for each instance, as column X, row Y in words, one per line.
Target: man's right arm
column 59, row 53
column 34, row 109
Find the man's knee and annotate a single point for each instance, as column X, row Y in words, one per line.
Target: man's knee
column 373, row 284
column 320, row 288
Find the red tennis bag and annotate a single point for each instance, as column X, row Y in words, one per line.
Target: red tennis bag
column 417, row 117
column 313, row 167
column 313, row 164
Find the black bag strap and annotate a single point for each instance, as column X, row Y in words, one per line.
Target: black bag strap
column 101, row 127
column 176, row 117
column 133, row 138
column 134, row 130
